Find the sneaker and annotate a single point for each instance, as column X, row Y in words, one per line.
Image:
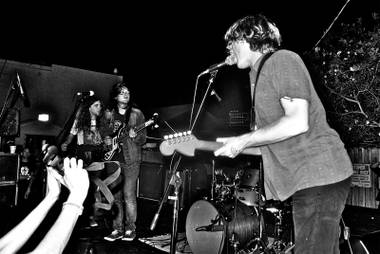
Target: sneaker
column 114, row 236
column 93, row 223
column 129, row 235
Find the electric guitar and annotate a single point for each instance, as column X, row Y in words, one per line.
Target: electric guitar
column 185, row 143
column 123, row 132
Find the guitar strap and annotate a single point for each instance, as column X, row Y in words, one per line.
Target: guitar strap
column 260, row 201
column 263, row 60
column 103, row 185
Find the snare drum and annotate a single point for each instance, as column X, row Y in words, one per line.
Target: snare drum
column 247, row 190
column 210, row 226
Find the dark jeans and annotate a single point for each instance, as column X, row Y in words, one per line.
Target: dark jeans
column 316, row 215
column 125, row 198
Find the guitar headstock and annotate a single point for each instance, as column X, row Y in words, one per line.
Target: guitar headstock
column 183, row 142
column 153, row 121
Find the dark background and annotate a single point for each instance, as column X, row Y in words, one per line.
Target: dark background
column 159, row 48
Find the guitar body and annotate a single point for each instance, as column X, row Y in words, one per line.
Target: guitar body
column 115, row 146
column 123, row 132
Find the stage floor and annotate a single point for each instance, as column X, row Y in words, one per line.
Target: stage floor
column 364, row 223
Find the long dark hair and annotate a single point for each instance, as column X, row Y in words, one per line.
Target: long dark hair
column 115, row 91
column 84, row 116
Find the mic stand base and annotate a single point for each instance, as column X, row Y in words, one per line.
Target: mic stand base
column 175, row 198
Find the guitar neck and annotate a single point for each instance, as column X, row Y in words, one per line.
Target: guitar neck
column 142, row 126
column 213, row 146
column 137, row 129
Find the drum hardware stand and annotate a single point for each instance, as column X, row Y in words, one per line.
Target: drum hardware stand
column 261, row 245
column 346, row 234
column 176, row 181
column 279, row 244
column 234, row 242
column 213, row 180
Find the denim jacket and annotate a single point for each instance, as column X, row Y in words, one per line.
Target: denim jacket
column 131, row 146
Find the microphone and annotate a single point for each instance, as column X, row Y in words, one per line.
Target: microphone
column 210, row 228
column 214, row 67
column 22, row 92
column 52, row 159
column 230, row 60
column 216, row 95
column 87, row 93
column 20, row 86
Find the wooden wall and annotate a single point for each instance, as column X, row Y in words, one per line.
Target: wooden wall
column 365, row 196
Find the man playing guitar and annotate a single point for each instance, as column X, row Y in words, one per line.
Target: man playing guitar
column 122, row 114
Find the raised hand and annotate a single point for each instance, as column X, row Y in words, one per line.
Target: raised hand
column 76, row 179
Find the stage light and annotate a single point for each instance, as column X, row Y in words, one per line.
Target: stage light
column 43, row 117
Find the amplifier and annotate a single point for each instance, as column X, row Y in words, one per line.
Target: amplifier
column 9, row 167
column 151, row 182
column 152, row 156
column 9, row 176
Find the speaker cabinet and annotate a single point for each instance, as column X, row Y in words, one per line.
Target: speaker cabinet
column 8, row 194
column 196, row 185
column 9, row 167
column 151, row 181
column 9, row 176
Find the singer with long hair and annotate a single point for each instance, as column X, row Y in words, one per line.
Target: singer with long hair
column 86, row 129
column 303, row 158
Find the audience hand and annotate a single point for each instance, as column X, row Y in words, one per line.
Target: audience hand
column 76, row 180
column 53, row 186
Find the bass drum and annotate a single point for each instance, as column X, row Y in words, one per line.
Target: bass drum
column 210, row 226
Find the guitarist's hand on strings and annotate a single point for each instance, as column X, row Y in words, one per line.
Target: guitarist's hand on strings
column 232, row 146
column 132, row 133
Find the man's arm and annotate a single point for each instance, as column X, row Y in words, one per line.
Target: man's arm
column 295, row 121
column 139, row 138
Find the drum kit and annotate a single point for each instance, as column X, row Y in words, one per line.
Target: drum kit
column 233, row 219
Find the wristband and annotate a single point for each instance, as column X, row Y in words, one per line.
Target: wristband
column 79, row 207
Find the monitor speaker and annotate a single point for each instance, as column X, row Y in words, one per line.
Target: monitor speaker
column 151, row 181
column 9, row 167
column 9, row 175
column 8, row 194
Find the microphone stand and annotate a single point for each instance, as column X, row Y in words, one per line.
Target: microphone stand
column 166, row 192
column 69, row 122
column 211, row 80
column 9, row 102
column 176, row 180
